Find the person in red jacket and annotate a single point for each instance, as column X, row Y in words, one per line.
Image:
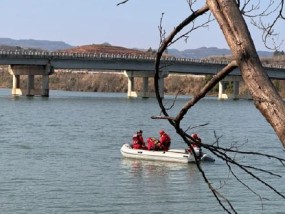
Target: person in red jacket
column 138, row 141
column 164, row 140
column 153, row 143
column 197, row 140
column 195, row 144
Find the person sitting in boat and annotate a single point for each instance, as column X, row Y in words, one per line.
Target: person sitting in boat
column 152, row 143
column 197, row 140
column 164, row 141
column 138, row 142
column 195, row 143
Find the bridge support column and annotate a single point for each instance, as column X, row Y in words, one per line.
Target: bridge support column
column 145, row 75
column 30, row 71
column 236, row 85
column 222, row 95
column 45, row 81
column 131, row 86
column 235, row 90
column 30, row 85
column 145, row 87
column 16, row 85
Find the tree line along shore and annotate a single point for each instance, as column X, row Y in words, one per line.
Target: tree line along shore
column 85, row 81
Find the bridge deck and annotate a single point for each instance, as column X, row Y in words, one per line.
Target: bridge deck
column 119, row 62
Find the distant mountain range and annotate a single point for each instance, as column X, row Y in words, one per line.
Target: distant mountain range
column 203, row 52
column 35, row 44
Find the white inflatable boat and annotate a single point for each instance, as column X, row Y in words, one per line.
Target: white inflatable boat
column 172, row 155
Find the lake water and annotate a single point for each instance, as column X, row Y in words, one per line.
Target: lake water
column 62, row 155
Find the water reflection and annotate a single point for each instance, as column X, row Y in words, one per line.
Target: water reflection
column 154, row 168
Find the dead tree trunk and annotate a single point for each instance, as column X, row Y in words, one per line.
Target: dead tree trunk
column 265, row 96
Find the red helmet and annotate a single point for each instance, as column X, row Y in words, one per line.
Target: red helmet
column 195, row 136
column 161, row 132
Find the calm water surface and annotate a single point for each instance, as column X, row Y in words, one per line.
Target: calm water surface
column 61, row 155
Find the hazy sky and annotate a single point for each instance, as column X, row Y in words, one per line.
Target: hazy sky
column 82, row 22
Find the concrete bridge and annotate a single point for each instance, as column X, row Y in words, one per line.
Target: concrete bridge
column 43, row 63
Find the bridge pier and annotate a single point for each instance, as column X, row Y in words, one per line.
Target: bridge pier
column 131, row 85
column 30, row 85
column 30, row 71
column 16, row 84
column 235, row 94
column 222, row 95
column 236, row 85
column 145, row 89
column 45, row 82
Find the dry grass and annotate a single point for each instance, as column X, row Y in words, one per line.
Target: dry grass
column 184, row 84
column 94, row 82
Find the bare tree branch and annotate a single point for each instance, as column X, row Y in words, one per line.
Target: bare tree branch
column 215, row 79
column 163, row 47
column 257, row 14
column 122, row 2
column 242, row 49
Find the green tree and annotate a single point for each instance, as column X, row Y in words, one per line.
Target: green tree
column 278, row 53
